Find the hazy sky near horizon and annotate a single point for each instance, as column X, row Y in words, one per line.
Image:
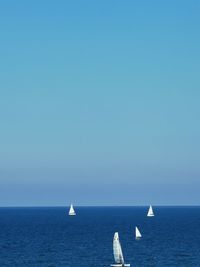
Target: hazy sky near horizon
column 99, row 102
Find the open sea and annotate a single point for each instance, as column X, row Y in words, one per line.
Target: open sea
column 49, row 237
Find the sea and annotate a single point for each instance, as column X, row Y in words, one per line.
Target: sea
column 49, row 237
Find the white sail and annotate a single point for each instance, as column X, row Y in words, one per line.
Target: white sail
column 137, row 233
column 150, row 212
column 72, row 211
column 117, row 251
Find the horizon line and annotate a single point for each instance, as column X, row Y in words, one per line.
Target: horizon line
column 99, row 206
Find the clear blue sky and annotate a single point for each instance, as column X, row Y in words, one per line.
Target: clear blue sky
column 99, row 102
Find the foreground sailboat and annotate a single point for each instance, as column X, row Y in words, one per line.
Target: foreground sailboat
column 137, row 233
column 117, row 251
column 72, row 211
column 150, row 212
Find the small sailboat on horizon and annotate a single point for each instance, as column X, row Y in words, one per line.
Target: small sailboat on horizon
column 117, row 251
column 150, row 212
column 72, row 211
column 137, row 233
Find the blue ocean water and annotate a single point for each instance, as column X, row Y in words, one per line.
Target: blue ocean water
column 49, row 237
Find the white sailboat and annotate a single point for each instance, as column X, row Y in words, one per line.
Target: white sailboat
column 150, row 212
column 72, row 211
column 137, row 233
column 117, row 251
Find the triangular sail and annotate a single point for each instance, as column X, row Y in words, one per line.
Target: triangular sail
column 71, row 210
column 150, row 212
column 137, row 233
column 117, row 250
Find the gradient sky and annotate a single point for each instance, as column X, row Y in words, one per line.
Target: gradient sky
column 99, row 102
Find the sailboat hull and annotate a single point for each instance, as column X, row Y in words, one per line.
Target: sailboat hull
column 120, row 265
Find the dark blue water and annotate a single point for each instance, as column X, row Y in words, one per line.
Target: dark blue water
column 48, row 237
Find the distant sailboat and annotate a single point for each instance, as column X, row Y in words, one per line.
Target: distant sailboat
column 150, row 212
column 72, row 211
column 137, row 233
column 117, row 251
